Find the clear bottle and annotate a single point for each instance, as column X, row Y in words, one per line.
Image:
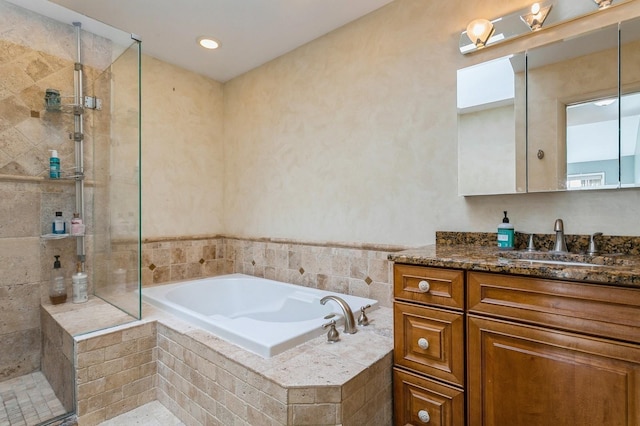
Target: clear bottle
column 77, row 227
column 57, row 287
column 59, row 226
column 79, row 280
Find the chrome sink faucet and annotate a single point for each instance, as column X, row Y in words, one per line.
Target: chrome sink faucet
column 560, row 246
column 349, row 321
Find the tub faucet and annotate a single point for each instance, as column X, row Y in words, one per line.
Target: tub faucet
column 560, row 246
column 349, row 321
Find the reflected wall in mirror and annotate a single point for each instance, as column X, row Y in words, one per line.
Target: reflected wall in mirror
column 630, row 103
column 568, row 85
column 491, row 127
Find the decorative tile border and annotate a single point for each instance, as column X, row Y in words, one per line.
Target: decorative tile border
column 359, row 269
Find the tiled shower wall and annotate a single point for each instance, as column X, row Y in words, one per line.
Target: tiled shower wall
column 361, row 271
column 29, row 201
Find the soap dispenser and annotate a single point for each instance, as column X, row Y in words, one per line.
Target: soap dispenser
column 57, row 287
column 506, row 234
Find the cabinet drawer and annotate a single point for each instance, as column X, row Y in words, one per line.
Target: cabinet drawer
column 430, row 341
column 595, row 309
column 420, row 401
column 432, row 286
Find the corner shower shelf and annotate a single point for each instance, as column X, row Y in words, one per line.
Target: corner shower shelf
column 69, row 177
column 59, row 236
column 53, row 236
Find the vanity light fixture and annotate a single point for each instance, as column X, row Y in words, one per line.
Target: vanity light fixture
column 208, row 42
column 535, row 18
column 479, row 31
column 603, row 4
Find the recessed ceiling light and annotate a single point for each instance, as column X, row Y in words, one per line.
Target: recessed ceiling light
column 208, row 42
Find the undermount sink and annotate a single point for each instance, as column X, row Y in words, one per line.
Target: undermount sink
column 564, row 259
column 556, row 262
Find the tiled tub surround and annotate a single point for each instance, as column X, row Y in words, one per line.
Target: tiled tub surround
column 351, row 269
column 203, row 379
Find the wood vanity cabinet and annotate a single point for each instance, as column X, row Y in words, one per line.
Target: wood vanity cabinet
column 506, row 350
column 549, row 352
column 429, row 371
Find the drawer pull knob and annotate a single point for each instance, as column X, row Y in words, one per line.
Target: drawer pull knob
column 424, row 286
column 423, row 343
column 424, row 416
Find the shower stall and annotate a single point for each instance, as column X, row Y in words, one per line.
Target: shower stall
column 68, row 84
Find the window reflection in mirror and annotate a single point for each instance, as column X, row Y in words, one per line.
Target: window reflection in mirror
column 591, row 163
column 630, row 103
column 563, row 123
column 491, row 122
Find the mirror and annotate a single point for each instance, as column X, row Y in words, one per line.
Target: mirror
column 572, row 128
column 630, row 103
column 570, row 122
column 491, row 127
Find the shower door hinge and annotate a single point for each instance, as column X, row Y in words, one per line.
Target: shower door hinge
column 92, row 102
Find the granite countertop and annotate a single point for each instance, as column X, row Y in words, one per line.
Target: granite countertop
column 615, row 269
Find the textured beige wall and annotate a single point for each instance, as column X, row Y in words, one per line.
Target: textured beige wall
column 182, row 160
column 353, row 137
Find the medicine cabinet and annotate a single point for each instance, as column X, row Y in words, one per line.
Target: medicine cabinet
column 558, row 117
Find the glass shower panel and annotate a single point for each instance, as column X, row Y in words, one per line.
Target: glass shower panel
column 116, row 133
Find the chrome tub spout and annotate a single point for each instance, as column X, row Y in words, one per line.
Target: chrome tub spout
column 349, row 321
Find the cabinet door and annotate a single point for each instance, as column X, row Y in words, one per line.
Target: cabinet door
column 420, row 401
column 429, row 341
column 523, row 375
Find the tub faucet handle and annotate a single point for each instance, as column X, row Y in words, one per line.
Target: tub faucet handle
column 593, row 246
column 333, row 335
column 362, row 319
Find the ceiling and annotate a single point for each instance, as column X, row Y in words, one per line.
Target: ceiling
column 251, row 32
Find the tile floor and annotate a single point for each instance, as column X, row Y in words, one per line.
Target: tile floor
column 28, row 400
column 151, row 414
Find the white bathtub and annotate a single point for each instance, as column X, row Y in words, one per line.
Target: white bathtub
column 263, row 316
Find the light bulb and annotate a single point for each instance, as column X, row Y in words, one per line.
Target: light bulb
column 535, row 8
